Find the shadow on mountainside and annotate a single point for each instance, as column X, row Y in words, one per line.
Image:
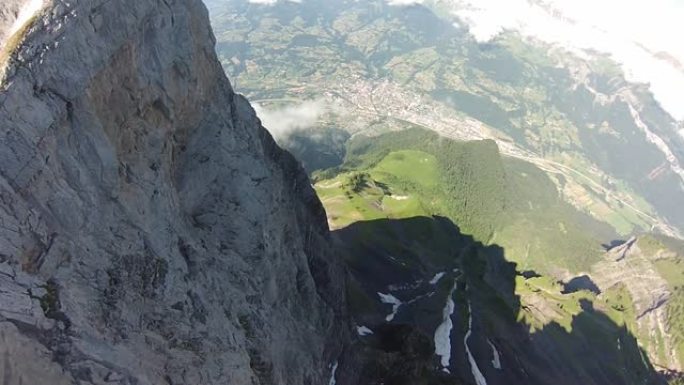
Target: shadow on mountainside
column 420, row 260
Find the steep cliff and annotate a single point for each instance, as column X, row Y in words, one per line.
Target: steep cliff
column 151, row 232
column 651, row 269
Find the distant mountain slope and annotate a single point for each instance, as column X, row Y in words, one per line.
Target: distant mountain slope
column 606, row 144
column 651, row 268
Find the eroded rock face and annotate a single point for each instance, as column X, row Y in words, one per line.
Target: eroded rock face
column 151, row 232
column 629, row 266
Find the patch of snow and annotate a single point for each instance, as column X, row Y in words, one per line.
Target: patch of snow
column 443, row 332
column 643, row 359
column 399, row 197
column 477, row 374
column 395, row 260
column 436, row 278
column 363, row 331
column 392, row 300
column 496, row 361
column 333, row 381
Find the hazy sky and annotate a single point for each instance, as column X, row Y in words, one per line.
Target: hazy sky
column 632, row 32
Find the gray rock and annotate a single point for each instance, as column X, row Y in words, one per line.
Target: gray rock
column 151, row 231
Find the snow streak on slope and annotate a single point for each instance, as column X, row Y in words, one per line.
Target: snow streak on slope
column 443, row 332
column 477, row 374
column 496, row 361
column 436, row 278
column 363, row 331
column 333, row 381
column 392, row 300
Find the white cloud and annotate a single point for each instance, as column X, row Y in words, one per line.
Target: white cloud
column 404, row 2
column 271, row 2
column 282, row 122
column 643, row 36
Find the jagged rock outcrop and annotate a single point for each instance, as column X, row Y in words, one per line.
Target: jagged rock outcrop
column 629, row 266
column 151, row 232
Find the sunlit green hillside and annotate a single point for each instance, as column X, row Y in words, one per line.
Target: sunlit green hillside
column 496, row 199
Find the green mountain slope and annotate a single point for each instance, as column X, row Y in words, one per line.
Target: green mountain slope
column 496, row 199
column 382, row 198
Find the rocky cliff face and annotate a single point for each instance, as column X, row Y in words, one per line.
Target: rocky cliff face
column 151, row 232
column 633, row 267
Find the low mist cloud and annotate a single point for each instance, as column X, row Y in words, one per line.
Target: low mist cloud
column 640, row 35
column 271, row 2
column 404, row 2
column 282, row 122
